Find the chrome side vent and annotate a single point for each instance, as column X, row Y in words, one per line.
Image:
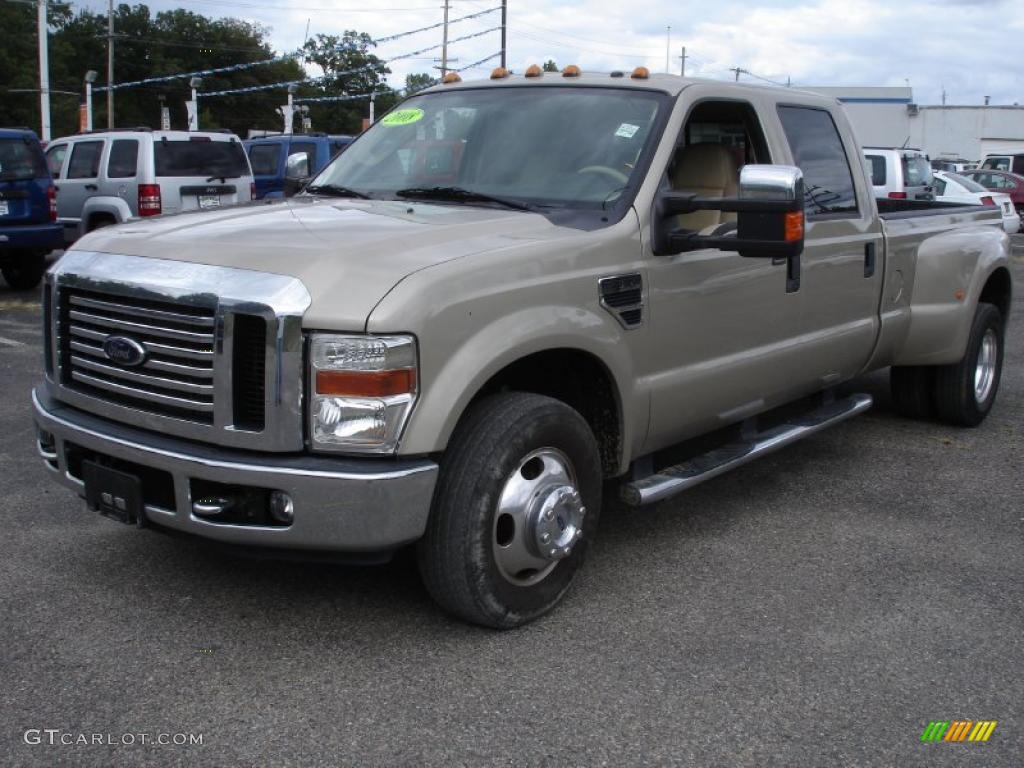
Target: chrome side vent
column 623, row 296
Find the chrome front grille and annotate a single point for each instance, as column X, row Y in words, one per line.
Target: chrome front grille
column 192, row 350
column 176, row 378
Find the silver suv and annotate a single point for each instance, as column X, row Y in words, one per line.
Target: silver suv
column 109, row 177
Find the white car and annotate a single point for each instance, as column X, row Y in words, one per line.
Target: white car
column 954, row 188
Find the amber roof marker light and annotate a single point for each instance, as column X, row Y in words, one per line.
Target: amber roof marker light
column 641, row 73
column 499, row 73
column 451, row 77
column 571, row 71
column 533, row 71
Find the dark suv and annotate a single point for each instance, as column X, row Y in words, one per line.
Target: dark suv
column 28, row 209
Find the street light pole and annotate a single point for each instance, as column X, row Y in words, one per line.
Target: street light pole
column 195, row 83
column 90, row 78
column 44, row 73
column 110, row 64
column 444, row 42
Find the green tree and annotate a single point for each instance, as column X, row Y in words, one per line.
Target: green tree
column 550, row 66
column 417, row 82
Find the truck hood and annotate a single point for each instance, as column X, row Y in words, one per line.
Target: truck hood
column 348, row 253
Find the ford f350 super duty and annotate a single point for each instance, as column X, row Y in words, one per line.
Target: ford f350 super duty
column 504, row 297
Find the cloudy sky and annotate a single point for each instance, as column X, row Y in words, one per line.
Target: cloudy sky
column 970, row 48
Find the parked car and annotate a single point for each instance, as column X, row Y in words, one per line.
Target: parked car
column 1004, row 182
column 951, row 164
column 464, row 330
column 110, row 177
column 28, row 213
column 899, row 174
column 954, row 188
column 1014, row 163
column 281, row 165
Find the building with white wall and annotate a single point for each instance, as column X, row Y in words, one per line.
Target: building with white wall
column 889, row 117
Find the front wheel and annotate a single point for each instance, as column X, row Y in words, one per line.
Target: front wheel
column 964, row 392
column 517, row 501
column 23, row 272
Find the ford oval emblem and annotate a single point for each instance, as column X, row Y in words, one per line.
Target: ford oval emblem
column 124, row 351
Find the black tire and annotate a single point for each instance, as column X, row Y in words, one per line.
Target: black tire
column 955, row 398
column 23, row 272
column 458, row 553
column 911, row 388
column 99, row 222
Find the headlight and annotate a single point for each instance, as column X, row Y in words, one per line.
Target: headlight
column 362, row 390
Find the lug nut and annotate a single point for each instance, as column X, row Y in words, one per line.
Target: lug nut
column 545, row 538
column 548, row 514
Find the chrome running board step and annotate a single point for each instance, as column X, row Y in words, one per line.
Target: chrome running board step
column 676, row 479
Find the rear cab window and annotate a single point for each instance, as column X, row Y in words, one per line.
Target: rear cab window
column 198, row 157
column 818, row 151
column 264, row 158
column 85, row 160
column 917, row 172
column 21, row 160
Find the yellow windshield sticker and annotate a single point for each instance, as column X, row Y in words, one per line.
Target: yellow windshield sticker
column 403, row 117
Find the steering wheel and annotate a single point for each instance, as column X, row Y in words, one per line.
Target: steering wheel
column 604, row 170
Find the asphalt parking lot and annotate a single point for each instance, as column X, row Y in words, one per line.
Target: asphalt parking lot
column 816, row 608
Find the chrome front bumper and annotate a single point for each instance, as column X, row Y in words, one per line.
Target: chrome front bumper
column 341, row 505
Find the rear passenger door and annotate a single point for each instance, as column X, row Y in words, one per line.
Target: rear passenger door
column 81, row 179
column 841, row 276
column 121, row 177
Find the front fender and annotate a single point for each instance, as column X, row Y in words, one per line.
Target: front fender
column 950, row 274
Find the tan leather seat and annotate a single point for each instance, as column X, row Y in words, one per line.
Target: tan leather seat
column 710, row 171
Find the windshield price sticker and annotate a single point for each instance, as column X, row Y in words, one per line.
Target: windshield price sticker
column 627, row 130
column 403, row 117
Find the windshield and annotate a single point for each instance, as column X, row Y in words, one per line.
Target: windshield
column 21, row 160
column 196, row 157
column 541, row 146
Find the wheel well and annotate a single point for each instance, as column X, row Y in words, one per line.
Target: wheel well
column 997, row 291
column 97, row 218
column 579, row 380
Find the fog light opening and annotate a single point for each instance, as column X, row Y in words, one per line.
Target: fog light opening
column 282, row 509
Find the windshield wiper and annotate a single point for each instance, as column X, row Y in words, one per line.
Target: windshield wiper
column 335, row 190
column 461, row 195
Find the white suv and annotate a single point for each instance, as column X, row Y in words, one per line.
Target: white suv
column 109, row 177
column 900, row 174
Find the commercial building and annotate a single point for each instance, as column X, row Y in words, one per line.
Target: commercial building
column 889, row 117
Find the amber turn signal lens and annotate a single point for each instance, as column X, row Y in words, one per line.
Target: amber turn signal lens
column 366, row 383
column 794, row 226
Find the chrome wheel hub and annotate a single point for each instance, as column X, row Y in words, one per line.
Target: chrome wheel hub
column 985, row 368
column 539, row 517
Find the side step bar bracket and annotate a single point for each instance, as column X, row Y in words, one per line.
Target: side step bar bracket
column 676, row 479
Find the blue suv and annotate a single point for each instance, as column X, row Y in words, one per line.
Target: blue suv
column 282, row 164
column 28, row 209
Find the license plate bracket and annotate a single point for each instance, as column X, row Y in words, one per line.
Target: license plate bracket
column 209, row 201
column 112, row 493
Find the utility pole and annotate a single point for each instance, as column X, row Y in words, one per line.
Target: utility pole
column 682, row 63
column 504, row 25
column 44, row 73
column 110, row 64
column 737, row 70
column 444, row 42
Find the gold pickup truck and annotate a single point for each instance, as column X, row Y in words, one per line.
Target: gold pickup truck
column 499, row 298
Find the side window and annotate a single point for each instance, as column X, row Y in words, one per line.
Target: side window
column 301, row 161
column 55, row 159
column 85, row 160
column 877, row 165
column 819, row 153
column 124, row 157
